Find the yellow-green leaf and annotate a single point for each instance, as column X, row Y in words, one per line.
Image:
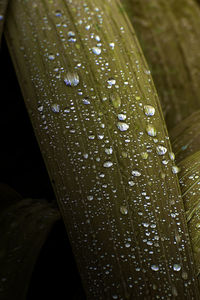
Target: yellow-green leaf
column 24, row 227
column 185, row 137
column 100, row 128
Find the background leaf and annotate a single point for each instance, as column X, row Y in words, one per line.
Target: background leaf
column 185, row 137
column 24, row 227
column 190, row 186
column 169, row 33
column 3, row 7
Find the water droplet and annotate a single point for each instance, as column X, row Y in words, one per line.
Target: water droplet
column 111, row 81
column 58, row 13
column 112, row 45
column 114, row 296
column 71, row 79
column 86, row 100
column 55, row 108
column 71, row 34
column 122, row 126
column 185, row 275
column 161, row 150
column 87, row 27
column 90, row 197
column 96, row 50
column 172, row 156
column 97, row 38
column 123, row 210
column 107, row 164
column 175, row 169
column 136, row 173
column 127, row 245
column 151, row 131
column 176, row 267
column 144, row 155
column 121, row 117
column 149, row 110
column 1, row 17
column 154, row 267
column 51, row 57
column 116, row 100
column 131, row 183
column 40, row 108
column 85, row 155
column 109, row 150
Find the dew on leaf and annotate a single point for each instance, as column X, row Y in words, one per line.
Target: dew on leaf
column 175, row 169
column 176, row 267
column 55, row 108
column 161, row 150
column 151, row 130
column 107, row 164
column 71, row 79
column 122, row 126
column 136, row 173
column 96, row 50
column 121, row 117
column 149, row 110
column 86, row 100
column 111, row 81
column 123, row 210
column 115, row 100
column 154, row 268
column 108, row 150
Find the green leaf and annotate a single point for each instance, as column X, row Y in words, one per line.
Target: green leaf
column 3, row 8
column 99, row 124
column 170, row 38
column 185, row 137
column 24, row 227
column 189, row 178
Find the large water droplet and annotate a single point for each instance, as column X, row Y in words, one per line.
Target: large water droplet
column 176, row 267
column 136, row 173
column 86, row 100
column 175, row 169
column 161, row 150
column 149, row 110
column 96, row 50
column 71, row 79
column 107, row 164
column 151, row 130
column 122, row 126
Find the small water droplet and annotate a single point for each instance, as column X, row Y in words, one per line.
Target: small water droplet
column 90, row 197
column 185, row 275
column 127, row 245
column 87, row 27
column 116, row 100
column 71, row 79
column 175, row 169
column 131, row 183
column 136, row 173
column 176, row 267
column 86, row 100
column 121, row 117
column 161, row 150
column 123, row 210
column 51, row 57
column 112, row 45
column 122, row 126
column 107, row 164
column 96, row 50
column 149, row 110
column 172, row 156
column 58, row 13
column 71, row 33
column 111, row 81
column 154, row 268
column 144, row 155
column 108, row 150
column 40, row 108
column 97, row 38
column 55, row 108
column 85, row 155
column 114, row 296
column 151, row 130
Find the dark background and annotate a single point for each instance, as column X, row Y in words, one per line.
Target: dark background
column 21, row 167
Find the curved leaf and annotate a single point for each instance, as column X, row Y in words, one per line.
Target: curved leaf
column 169, row 34
column 99, row 124
column 185, row 137
column 190, row 186
column 24, row 226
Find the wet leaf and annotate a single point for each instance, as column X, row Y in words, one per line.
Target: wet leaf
column 24, row 227
column 170, row 38
column 189, row 178
column 185, row 137
column 99, row 124
column 3, row 8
